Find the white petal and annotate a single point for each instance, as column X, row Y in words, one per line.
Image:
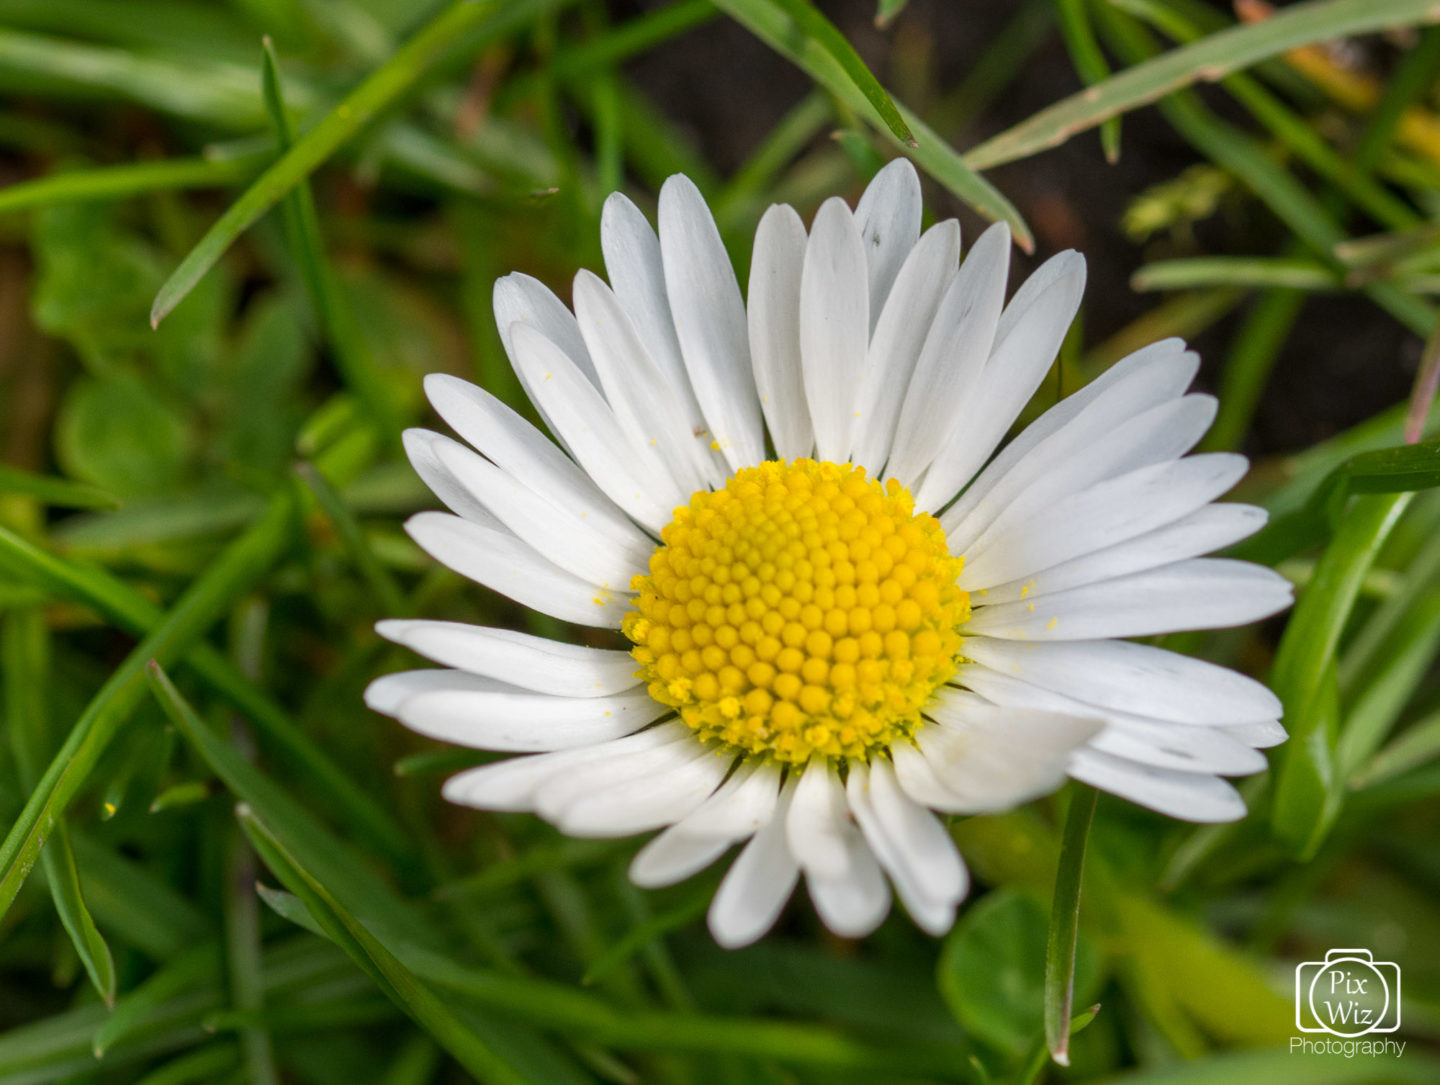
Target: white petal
column 1104, row 514
column 645, row 404
column 1204, row 530
column 554, row 533
column 888, row 215
column 911, row 845
column 522, row 299
column 1137, row 383
column 388, row 692
column 1260, row 735
column 647, row 803
column 918, row 779
column 631, row 473
column 855, row 903
column 834, row 326
column 898, row 338
column 524, row 453
column 530, row 662
column 1159, row 435
column 949, row 374
column 1031, row 330
column 996, row 758
column 757, row 884
column 774, row 323
column 740, row 808
column 511, row 784
column 815, row 827
column 1165, row 744
column 632, row 260
column 524, row 722
column 1182, row 795
column 420, row 448
column 1134, row 678
column 1202, row 593
column 509, row 566
column 675, row 747
column 709, row 319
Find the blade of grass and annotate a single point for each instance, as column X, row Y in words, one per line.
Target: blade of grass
column 1090, row 64
column 130, row 610
column 470, row 24
column 1189, row 273
column 235, row 570
column 387, row 593
column 48, row 490
column 126, row 180
column 367, row 951
column 1308, row 787
column 243, row 965
column 182, row 973
column 26, row 666
column 820, row 30
column 1065, row 924
column 307, row 249
column 769, row 22
column 1208, row 60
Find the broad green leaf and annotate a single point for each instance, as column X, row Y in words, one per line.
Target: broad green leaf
column 116, row 433
column 991, row 969
column 1207, row 60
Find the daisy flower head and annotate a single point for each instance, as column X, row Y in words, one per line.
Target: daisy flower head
column 847, row 604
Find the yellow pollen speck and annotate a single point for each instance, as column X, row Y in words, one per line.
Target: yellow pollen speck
column 1052, row 623
column 803, row 609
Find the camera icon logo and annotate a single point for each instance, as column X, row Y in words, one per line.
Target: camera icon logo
column 1347, row 994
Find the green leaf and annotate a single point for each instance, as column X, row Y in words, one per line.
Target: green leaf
column 116, row 433
column 130, row 179
column 392, row 977
column 1090, row 63
column 887, row 11
column 1308, row 785
column 466, row 25
column 991, row 970
column 1199, row 271
column 56, row 492
column 767, row 21
column 1208, row 60
column 1064, row 930
column 820, row 30
column 234, row 571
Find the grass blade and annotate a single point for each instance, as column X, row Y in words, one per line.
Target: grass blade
column 1208, row 60
column 55, row 492
column 392, row 977
column 129, row 179
column 471, row 23
column 931, row 153
column 1065, row 924
column 1309, row 786
column 1090, row 63
column 235, row 570
column 822, row 32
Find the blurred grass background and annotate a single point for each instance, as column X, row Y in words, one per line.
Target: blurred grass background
column 224, row 495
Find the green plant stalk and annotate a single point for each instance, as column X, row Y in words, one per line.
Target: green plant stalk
column 1065, row 923
column 1309, row 787
column 234, row 571
column 1208, row 60
column 133, row 612
column 1188, row 273
column 243, row 965
column 473, row 22
column 342, row 519
column 1090, row 64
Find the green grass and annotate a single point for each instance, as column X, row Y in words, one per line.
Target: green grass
column 217, row 866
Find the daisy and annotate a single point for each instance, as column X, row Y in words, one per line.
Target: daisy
column 844, row 609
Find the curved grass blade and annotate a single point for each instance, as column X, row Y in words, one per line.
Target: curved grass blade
column 1309, row 786
column 1065, row 924
column 131, row 611
column 471, row 23
column 235, row 570
column 931, row 153
column 26, row 666
column 1090, row 63
column 814, row 26
column 367, row 951
column 1208, row 60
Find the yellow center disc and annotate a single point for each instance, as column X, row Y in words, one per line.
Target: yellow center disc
column 803, row 609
